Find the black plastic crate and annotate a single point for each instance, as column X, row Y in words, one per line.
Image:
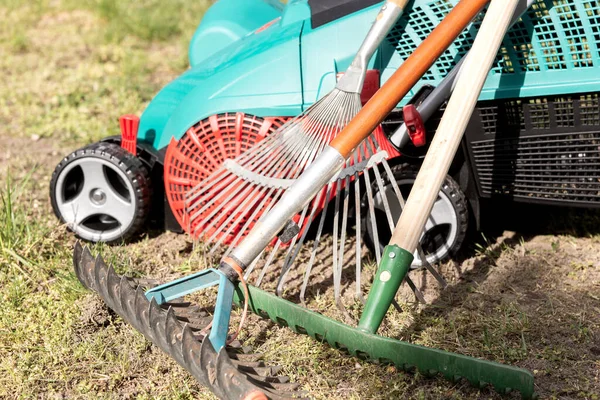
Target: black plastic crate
column 543, row 150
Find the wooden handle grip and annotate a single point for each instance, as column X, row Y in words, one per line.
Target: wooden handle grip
column 449, row 133
column 413, row 68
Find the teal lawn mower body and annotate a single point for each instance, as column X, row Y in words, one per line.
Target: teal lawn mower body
column 267, row 58
column 269, row 62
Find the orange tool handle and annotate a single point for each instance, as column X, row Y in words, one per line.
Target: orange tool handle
column 405, row 77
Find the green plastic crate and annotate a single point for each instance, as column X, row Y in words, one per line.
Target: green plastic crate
column 553, row 49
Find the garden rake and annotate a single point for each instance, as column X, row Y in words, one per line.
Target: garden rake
column 231, row 200
column 227, row 373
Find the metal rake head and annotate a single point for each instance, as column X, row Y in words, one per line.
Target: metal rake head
column 176, row 328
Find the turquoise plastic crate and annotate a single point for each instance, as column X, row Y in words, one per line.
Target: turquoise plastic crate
column 553, row 49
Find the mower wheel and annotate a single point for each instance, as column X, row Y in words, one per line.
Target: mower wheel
column 446, row 228
column 102, row 192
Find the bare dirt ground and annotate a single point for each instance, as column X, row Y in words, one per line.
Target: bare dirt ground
column 528, row 295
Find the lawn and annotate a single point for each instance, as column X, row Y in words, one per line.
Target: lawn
column 528, row 297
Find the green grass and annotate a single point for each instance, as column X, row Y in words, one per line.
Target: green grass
column 75, row 66
column 69, row 69
column 147, row 19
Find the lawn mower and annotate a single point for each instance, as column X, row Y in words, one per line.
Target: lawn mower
column 253, row 170
column 197, row 122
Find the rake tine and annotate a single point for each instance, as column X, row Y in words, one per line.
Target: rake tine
column 384, row 199
column 230, row 213
column 240, row 217
column 273, row 251
column 344, row 228
column 315, row 137
column 295, row 149
column 313, row 254
column 206, row 185
column 273, row 193
column 344, row 219
column 371, row 206
column 358, row 290
column 240, row 234
column 420, row 251
column 400, row 198
column 213, row 196
column 379, row 181
column 336, row 266
column 253, row 265
column 268, row 263
column 388, row 213
column 262, row 205
column 298, row 246
column 273, row 167
column 264, row 149
column 439, row 278
column 290, row 255
column 415, row 289
column 224, row 207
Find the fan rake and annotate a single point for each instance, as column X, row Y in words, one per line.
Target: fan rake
column 225, row 206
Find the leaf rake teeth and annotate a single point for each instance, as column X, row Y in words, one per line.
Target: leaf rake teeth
column 175, row 328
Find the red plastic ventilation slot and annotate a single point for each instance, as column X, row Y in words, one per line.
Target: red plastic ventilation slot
column 203, row 149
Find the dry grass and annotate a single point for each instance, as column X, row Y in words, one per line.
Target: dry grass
column 68, row 70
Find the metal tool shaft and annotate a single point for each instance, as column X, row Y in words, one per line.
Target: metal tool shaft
column 354, row 77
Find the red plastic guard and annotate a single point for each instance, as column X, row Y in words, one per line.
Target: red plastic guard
column 129, row 130
column 414, row 125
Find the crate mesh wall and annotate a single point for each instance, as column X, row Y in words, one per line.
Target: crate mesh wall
column 555, row 41
column 543, row 149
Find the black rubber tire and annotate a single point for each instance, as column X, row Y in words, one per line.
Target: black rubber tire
column 132, row 167
column 449, row 187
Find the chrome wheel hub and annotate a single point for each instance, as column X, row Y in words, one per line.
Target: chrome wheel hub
column 442, row 222
column 95, row 199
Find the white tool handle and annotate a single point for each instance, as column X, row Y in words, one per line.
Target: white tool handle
column 454, row 122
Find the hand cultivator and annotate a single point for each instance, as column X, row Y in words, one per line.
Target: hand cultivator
column 267, row 198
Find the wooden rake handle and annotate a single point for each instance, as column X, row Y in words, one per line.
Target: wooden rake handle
column 454, row 122
column 409, row 73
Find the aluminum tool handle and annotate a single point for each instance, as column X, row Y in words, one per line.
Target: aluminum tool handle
column 454, row 122
column 432, row 103
column 295, row 198
column 354, row 78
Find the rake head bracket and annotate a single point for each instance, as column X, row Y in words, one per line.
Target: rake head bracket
column 196, row 282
